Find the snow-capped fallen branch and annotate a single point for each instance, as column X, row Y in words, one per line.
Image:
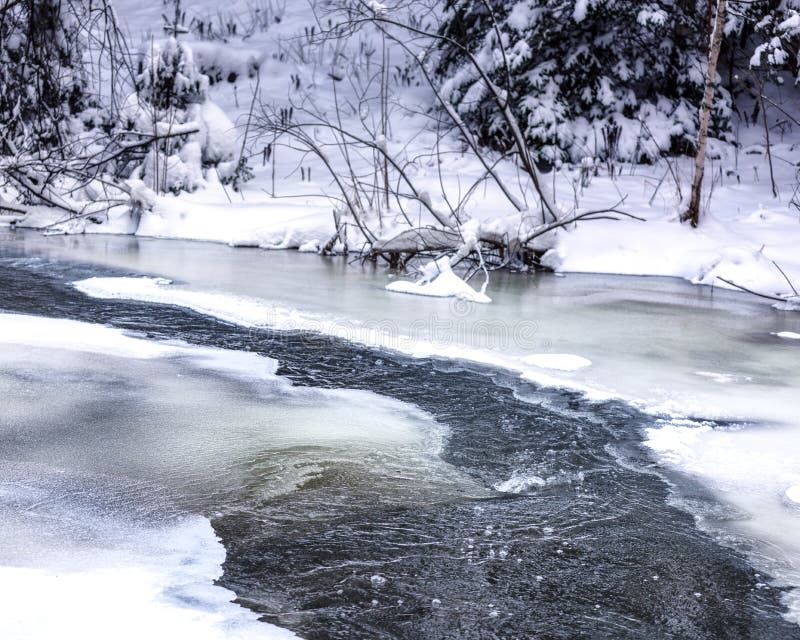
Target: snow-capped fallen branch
column 784, row 302
column 438, row 280
column 611, row 213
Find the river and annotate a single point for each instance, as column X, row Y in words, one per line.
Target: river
column 600, row 457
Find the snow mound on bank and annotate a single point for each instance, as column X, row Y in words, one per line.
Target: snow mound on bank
column 439, row 281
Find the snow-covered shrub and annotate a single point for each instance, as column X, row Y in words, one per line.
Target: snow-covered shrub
column 171, row 104
column 166, row 76
column 228, row 61
column 582, row 68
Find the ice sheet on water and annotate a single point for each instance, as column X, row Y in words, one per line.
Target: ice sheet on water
column 162, row 589
column 558, row 361
column 92, row 557
column 754, row 469
column 71, row 335
column 252, row 312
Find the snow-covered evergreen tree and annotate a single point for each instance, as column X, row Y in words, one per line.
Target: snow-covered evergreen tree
column 41, row 81
column 777, row 26
column 584, row 75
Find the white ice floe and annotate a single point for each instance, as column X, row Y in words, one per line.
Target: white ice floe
column 439, row 281
column 72, row 335
column 787, row 335
column 54, row 333
column 558, row 361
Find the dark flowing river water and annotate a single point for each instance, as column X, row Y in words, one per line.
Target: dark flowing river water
column 360, row 548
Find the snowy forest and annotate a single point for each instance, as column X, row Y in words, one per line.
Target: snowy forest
column 400, row 319
column 485, row 132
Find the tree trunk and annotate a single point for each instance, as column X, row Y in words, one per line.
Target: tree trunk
column 693, row 212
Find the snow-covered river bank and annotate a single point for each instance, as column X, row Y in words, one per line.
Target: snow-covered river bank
column 406, row 496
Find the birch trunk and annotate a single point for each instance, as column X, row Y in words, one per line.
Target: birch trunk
column 693, row 212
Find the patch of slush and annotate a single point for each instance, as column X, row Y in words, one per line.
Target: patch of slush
column 164, row 589
column 439, row 281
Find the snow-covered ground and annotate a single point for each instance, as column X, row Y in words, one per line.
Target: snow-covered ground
column 747, row 236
